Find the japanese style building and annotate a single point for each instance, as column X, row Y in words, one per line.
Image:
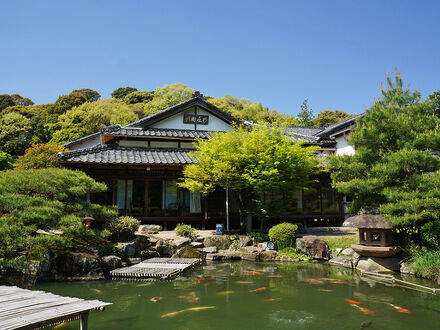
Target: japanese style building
column 142, row 162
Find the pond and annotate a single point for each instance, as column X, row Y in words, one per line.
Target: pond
column 245, row 295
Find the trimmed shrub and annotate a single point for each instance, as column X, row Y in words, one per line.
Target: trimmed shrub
column 122, row 228
column 283, row 234
column 185, row 230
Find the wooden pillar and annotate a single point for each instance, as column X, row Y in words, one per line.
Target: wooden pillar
column 206, row 214
column 146, row 197
column 83, row 321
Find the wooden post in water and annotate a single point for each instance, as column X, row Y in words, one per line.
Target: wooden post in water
column 83, row 321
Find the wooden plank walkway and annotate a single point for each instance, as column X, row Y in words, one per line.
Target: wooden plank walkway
column 31, row 309
column 156, row 268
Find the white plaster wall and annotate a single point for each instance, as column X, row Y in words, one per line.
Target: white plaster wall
column 176, row 122
column 342, row 146
column 133, row 143
column 163, row 144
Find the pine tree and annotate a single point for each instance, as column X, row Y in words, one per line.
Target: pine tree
column 395, row 170
column 305, row 116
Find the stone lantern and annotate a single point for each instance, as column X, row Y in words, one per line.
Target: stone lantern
column 375, row 238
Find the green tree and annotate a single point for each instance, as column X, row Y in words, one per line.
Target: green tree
column 6, row 161
column 435, row 99
column 329, row 117
column 41, row 155
column 167, row 96
column 395, row 170
column 305, row 116
column 138, row 97
column 47, row 199
column 15, row 130
column 19, row 100
column 90, row 117
column 245, row 109
column 6, row 101
column 122, row 92
column 250, row 163
column 67, row 102
column 90, row 94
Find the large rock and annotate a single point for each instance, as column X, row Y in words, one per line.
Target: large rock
column 197, row 244
column 148, row 229
column 406, row 268
column 186, row 252
column 378, row 265
column 267, row 256
column 180, row 242
column 111, row 262
column 222, row 242
column 78, row 264
column 222, row 256
column 148, row 254
column 245, row 241
column 128, row 249
column 344, row 261
column 162, row 248
column 210, row 249
column 313, row 246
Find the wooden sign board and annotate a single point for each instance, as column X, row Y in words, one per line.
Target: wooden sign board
column 195, row 119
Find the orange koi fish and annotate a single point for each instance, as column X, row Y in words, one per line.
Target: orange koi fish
column 312, row 281
column 325, row 290
column 97, row 291
column 172, row 314
column 353, row 301
column 400, row 309
column 274, row 276
column 201, row 308
column 225, row 293
column 254, row 273
column 338, row 282
column 156, row 299
column 327, row 279
column 367, row 311
column 271, row 299
column 259, row 290
column 261, row 270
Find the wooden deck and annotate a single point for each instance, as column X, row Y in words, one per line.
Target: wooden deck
column 29, row 309
column 156, row 268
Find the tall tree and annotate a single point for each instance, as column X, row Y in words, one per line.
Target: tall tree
column 305, row 116
column 6, row 101
column 167, row 96
column 122, row 92
column 138, row 97
column 90, row 94
column 251, row 163
column 15, row 130
column 329, row 117
column 395, row 170
column 90, row 117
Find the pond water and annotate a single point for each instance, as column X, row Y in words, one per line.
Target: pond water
column 245, row 295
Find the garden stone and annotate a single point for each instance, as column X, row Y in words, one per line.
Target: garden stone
column 313, row 246
column 250, row 256
column 267, row 256
column 141, row 243
column 355, row 257
column 134, row 261
column 128, row 249
column 198, row 239
column 210, row 249
column 180, row 242
column 197, row 244
column 83, row 263
column 262, row 246
column 378, row 265
column 162, row 248
column 222, row 256
column 405, row 268
column 338, row 250
column 284, row 258
column 344, row 261
column 148, row 254
column 148, row 229
column 186, row 252
column 348, row 252
column 222, row 242
column 245, row 241
column 111, row 262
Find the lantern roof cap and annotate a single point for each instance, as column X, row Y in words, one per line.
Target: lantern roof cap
column 376, row 221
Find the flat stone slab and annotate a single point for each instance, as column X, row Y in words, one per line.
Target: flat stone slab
column 157, row 268
column 378, row 265
column 376, row 251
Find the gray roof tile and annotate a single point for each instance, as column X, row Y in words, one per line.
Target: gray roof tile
column 159, row 132
column 111, row 154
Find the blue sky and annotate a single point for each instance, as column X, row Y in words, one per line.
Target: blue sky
column 335, row 53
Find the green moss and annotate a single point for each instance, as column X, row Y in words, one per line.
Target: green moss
column 342, row 242
column 291, row 252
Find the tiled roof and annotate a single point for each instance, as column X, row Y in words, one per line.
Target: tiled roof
column 195, row 100
column 304, row 130
column 158, row 132
column 339, row 126
column 111, row 154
